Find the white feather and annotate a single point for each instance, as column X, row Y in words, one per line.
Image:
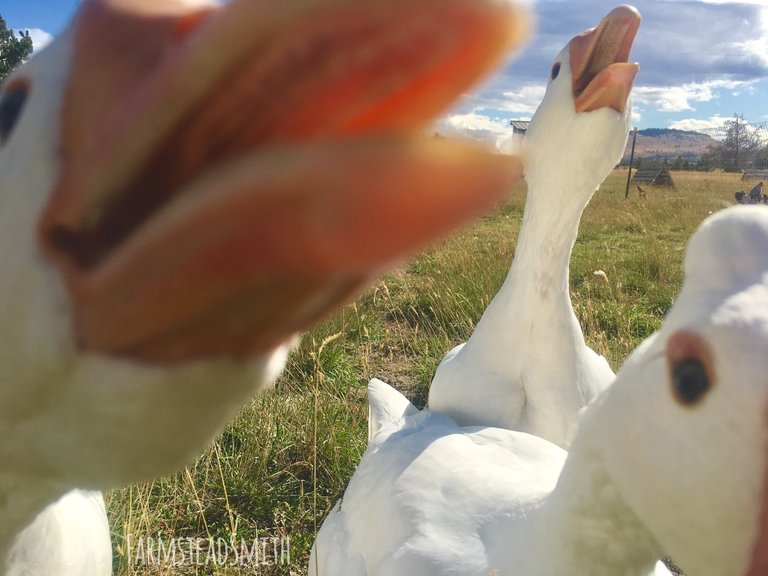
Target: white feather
column 647, row 474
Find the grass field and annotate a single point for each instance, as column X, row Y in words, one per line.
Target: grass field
column 274, row 473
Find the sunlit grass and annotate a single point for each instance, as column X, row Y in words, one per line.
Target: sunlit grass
column 278, row 469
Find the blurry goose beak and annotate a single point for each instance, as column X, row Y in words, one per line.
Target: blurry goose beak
column 231, row 173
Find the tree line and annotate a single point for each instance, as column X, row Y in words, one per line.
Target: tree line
column 744, row 147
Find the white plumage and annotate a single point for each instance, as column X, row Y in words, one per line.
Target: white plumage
column 668, row 460
column 170, row 224
column 69, row 538
column 526, row 366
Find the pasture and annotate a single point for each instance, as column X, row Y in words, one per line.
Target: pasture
column 271, row 476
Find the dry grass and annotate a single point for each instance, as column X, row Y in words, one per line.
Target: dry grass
column 281, row 465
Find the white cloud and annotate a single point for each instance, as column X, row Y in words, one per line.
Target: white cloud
column 40, row 38
column 756, row 48
column 500, row 100
column 755, row 2
column 475, row 126
column 680, row 98
column 697, row 57
column 710, row 124
column 664, row 98
column 486, row 116
column 715, row 126
column 524, row 100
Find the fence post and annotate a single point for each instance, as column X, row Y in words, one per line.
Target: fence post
column 631, row 159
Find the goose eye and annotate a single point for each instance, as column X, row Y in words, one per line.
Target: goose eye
column 555, row 70
column 11, row 106
column 690, row 381
column 689, row 360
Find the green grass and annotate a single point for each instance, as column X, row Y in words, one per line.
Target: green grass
column 279, row 468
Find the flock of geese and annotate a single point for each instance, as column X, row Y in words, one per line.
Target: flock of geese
column 185, row 186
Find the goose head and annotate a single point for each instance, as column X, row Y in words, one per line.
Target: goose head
column 581, row 125
column 184, row 186
column 687, row 449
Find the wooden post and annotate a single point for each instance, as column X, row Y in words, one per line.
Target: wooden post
column 631, row 159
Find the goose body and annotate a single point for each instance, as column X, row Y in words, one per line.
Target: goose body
column 167, row 238
column 690, row 401
column 526, row 366
column 70, row 537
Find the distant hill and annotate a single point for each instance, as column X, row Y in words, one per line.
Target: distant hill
column 657, row 144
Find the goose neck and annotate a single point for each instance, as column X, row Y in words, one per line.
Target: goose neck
column 589, row 522
column 544, row 245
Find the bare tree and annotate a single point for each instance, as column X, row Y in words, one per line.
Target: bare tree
column 739, row 148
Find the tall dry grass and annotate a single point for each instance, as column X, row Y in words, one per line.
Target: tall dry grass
column 276, row 471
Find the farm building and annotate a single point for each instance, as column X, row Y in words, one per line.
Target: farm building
column 519, row 126
column 658, row 176
column 754, row 175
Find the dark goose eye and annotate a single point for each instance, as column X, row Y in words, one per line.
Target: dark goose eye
column 11, row 106
column 690, row 381
column 555, row 70
column 689, row 367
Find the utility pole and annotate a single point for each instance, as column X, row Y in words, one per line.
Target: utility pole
column 738, row 141
column 631, row 159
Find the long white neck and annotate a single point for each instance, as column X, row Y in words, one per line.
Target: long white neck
column 536, row 287
column 585, row 527
column 568, row 155
column 526, row 358
column 529, row 338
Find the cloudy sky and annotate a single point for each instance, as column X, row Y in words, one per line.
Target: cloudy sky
column 701, row 61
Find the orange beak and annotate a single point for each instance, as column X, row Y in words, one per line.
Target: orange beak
column 602, row 75
column 230, row 174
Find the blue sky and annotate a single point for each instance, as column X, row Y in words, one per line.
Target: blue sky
column 48, row 15
column 701, row 61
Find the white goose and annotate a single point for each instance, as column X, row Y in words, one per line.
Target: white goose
column 526, row 366
column 183, row 187
column 70, row 537
column 669, row 459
